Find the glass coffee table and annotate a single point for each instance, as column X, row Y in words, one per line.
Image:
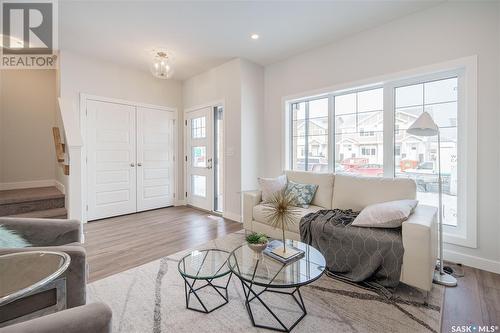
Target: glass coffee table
column 260, row 275
column 205, row 266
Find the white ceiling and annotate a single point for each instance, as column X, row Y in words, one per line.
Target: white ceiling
column 204, row 34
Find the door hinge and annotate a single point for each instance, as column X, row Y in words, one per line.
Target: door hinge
column 186, row 122
column 186, row 158
column 186, row 194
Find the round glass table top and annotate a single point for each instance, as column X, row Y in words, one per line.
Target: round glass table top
column 23, row 272
column 204, row 264
column 268, row 272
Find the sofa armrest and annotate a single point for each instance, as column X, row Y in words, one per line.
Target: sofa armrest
column 45, row 232
column 76, row 274
column 91, row 318
column 420, row 244
column 250, row 200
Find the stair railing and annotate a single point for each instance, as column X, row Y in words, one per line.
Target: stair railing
column 60, row 150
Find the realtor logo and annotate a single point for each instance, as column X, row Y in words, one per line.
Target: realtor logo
column 28, row 34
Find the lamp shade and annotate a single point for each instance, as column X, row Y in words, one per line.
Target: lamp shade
column 423, row 126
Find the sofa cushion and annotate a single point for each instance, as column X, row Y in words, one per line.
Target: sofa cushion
column 390, row 214
column 303, row 193
column 323, row 196
column 355, row 192
column 259, row 215
column 269, row 186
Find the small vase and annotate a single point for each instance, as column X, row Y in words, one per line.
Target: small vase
column 257, row 249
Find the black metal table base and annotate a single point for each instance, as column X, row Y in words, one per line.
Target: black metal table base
column 251, row 295
column 190, row 289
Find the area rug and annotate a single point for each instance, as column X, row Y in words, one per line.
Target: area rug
column 150, row 298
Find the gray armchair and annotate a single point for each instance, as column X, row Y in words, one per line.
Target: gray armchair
column 91, row 318
column 55, row 235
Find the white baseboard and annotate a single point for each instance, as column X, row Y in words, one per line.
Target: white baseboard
column 232, row 216
column 180, row 202
column 473, row 261
column 27, row 184
column 60, row 186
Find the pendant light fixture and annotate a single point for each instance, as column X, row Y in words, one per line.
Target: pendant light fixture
column 161, row 67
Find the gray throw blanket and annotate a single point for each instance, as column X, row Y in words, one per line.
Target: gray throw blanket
column 359, row 254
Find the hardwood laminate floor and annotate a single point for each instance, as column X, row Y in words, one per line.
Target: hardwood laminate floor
column 117, row 244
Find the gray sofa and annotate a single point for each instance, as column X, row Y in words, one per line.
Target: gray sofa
column 91, row 318
column 53, row 235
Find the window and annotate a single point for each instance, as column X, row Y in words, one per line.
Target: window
column 198, row 128
column 359, row 118
column 420, row 162
column 363, row 131
column 310, row 135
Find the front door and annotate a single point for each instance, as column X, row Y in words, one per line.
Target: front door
column 199, row 158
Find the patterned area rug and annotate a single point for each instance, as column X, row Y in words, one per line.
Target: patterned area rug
column 150, row 298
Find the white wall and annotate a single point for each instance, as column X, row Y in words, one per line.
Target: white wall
column 27, row 115
column 239, row 85
column 252, row 114
column 449, row 31
column 81, row 74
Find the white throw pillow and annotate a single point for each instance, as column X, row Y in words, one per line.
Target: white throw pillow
column 389, row 214
column 269, row 186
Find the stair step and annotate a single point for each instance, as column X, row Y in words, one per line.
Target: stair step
column 15, row 202
column 29, row 194
column 55, row 213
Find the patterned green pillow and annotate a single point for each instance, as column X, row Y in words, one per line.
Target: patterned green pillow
column 304, row 193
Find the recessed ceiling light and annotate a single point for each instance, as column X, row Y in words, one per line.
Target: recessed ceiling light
column 254, row 36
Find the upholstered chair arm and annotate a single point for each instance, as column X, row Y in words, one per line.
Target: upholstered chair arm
column 250, row 200
column 45, row 232
column 91, row 318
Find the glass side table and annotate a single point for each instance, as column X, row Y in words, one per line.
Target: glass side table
column 263, row 275
column 26, row 274
column 205, row 265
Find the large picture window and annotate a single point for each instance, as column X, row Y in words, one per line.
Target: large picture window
column 362, row 131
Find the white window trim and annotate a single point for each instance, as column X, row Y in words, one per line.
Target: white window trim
column 466, row 70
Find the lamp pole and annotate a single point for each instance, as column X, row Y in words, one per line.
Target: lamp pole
column 441, row 277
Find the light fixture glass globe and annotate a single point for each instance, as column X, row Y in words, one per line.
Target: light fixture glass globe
column 161, row 67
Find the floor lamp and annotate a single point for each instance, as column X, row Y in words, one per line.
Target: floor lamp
column 425, row 126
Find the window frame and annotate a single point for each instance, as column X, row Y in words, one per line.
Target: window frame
column 465, row 69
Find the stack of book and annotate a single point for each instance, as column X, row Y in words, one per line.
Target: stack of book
column 275, row 250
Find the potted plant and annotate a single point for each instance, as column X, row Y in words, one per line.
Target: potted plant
column 257, row 242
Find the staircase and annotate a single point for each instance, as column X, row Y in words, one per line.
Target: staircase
column 40, row 202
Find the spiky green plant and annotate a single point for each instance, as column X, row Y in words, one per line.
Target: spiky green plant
column 281, row 211
column 256, row 238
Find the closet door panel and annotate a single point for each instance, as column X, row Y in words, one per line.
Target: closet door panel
column 111, row 156
column 155, row 158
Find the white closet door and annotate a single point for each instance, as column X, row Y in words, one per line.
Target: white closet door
column 111, row 157
column 155, row 158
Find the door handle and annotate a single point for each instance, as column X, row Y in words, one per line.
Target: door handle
column 139, row 164
column 132, row 165
column 209, row 163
